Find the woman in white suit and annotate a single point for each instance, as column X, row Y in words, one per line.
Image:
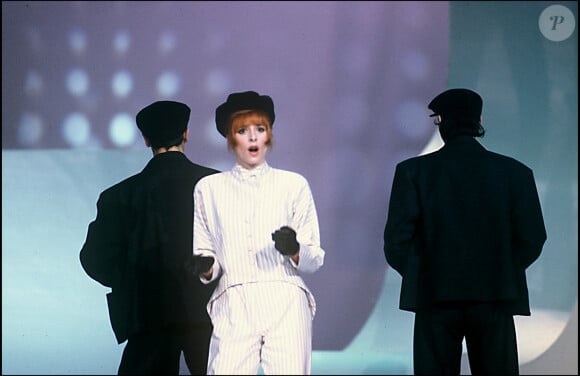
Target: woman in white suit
column 260, row 226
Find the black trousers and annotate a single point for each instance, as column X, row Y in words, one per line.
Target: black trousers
column 489, row 334
column 159, row 352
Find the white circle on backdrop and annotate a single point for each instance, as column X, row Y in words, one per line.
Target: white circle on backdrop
column 557, row 23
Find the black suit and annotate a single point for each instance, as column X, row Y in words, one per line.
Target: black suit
column 463, row 225
column 137, row 245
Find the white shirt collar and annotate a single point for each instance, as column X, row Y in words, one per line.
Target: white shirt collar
column 244, row 174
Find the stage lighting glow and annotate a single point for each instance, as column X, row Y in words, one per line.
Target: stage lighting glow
column 218, row 81
column 76, row 129
column 33, row 84
column 122, row 83
column 167, row 42
column 78, row 41
column 168, row 84
column 30, row 129
column 122, row 130
column 77, row 82
column 121, row 42
column 36, row 44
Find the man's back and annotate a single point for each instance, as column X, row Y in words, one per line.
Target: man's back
column 139, row 243
column 478, row 223
column 141, row 246
column 463, row 225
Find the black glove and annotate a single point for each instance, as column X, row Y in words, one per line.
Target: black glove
column 285, row 241
column 198, row 264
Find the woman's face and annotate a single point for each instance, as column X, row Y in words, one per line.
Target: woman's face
column 251, row 144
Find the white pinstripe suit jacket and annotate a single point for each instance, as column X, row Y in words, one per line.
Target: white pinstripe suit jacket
column 235, row 214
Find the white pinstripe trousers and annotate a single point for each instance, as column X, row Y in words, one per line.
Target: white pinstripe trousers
column 267, row 323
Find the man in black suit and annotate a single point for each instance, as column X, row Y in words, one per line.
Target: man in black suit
column 141, row 245
column 463, row 225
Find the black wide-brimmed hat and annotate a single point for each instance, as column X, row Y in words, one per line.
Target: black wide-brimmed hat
column 163, row 121
column 457, row 103
column 247, row 100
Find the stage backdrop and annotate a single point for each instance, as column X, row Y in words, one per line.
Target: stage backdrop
column 350, row 83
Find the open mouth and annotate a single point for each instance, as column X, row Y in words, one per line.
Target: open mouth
column 253, row 149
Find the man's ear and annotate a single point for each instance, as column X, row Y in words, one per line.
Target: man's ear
column 438, row 119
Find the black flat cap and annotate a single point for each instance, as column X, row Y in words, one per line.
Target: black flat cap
column 163, row 121
column 247, row 100
column 457, row 103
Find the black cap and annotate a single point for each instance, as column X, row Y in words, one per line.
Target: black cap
column 457, row 103
column 163, row 121
column 247, row 100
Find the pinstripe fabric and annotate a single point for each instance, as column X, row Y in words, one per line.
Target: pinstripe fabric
column 266, row 322
column 235, row 214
